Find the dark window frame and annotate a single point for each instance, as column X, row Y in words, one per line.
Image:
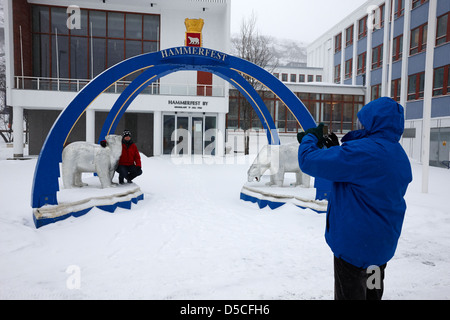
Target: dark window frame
column 445, row 88
column 378, row 63
column 443, row 39
column 417, row 92
column 421, row 41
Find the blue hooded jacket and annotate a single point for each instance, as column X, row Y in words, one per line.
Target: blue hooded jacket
column 370, row 173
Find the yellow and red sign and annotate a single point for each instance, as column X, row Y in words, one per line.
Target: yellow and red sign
column 193, row 36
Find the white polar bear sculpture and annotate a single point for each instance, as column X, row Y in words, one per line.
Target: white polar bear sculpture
column 79, row 157
column 279, row 159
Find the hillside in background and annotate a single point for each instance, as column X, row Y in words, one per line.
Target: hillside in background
column 287, row 52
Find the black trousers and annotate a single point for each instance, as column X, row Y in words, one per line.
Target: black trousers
column 128, row 172
column 353, row 283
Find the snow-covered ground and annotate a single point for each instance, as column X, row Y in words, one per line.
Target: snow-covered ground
column 192, row 238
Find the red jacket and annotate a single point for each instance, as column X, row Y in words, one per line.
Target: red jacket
column 130, row 155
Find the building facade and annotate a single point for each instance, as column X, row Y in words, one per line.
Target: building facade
column 54, row 48
column 401, row 49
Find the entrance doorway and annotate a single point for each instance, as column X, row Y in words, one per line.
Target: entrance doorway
column 189, row 134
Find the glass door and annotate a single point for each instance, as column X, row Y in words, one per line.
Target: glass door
column 182, row 146
column 168, row 129
column 197, row 135
column 189, row 134
column 210, row 136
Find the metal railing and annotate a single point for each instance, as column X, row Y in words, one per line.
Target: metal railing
column 156, row 88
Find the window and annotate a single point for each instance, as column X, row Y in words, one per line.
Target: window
column 382, row 14
column 443, row 29
column 337, row 73
column 362, row 28
column 418, row 39
column 395, row 89
column 375, row 92
column 276, row 75
column 377, row 57
column 337, row 43
column 293, row 78
column 399, row 8
column 349, row 36
column 416, row 3
column 441, row 83
column 378, row 17
column 416, row 86
column 348, row 68
column 284, row 77
column 361, row 68
column 301, row 78
column 310, row 78
column 398, row 48
column 318, row 78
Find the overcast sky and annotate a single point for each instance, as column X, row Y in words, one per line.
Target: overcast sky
column 302, row 20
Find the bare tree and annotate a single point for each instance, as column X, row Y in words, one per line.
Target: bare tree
column 254, row 47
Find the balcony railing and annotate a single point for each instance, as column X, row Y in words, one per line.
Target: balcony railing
column 75, row 85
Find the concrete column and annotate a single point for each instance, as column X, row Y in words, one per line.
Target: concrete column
column 369, row 63
column 355, row 52
column 405, row 53
column 90, row 125
column 157, row 133
column 428, row 93
column 387, row 61
column 342, row 56
column 17, row 127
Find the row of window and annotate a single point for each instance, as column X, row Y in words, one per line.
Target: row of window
column 377, row 23
column 441, row 83
column 377, row 61
column 301, row 77
column 418, row 44
column 104, row 39
column 416, row 85
column 336, row 111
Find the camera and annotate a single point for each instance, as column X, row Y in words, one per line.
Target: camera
column 329, row 138
column 325, row 131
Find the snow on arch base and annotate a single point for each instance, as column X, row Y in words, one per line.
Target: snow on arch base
column 275, row 197
column 77, row 202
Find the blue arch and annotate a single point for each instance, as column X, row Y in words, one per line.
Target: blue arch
column 156, row 65
column 154, row 73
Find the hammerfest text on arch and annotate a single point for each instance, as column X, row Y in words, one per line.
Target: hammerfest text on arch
column 193, row 51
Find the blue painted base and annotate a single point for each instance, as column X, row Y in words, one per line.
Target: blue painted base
column 51, row 214
column 277, row 197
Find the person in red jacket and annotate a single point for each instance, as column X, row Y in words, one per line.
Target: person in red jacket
column 130, row 161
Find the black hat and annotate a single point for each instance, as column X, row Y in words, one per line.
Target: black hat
column 126, row 133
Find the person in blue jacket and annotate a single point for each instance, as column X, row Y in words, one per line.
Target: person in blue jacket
column 370, row 173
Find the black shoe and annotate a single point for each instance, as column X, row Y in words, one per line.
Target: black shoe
column 120, row 181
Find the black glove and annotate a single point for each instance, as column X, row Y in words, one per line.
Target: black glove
column 331, row 140
column 317, row 132
column 300, row 136
column 103, row 143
